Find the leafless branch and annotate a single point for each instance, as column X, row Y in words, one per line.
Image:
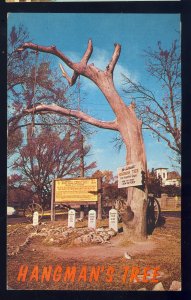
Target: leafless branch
column 114, row 58
column 71, row 80
column 164, row 138
column 73, row 113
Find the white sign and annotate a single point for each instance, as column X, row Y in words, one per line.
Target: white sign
column 35, row 218
column 130, row 175
column 113, row 219
column 71, row 218
column 92, row 219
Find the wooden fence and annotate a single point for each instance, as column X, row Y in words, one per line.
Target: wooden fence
column 169, row 203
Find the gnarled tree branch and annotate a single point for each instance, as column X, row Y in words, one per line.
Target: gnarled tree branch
column 78, row 68
column 50, row 49
column 71, row 80
column 43, row 108
column 88, row 53
column 114, row 58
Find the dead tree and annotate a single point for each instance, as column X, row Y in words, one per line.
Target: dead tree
column 126, row 122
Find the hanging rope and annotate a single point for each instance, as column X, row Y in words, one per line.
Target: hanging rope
column 34, row 89
column 80, row 135
column 30, row 128
column 78, row 89
column 35, row 73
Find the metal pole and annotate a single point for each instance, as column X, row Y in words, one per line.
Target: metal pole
column 99, row 199
column 81, row 141
column 82, row 213
column 52, row 202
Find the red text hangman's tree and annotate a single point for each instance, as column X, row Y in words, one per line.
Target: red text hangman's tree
column 126, row 123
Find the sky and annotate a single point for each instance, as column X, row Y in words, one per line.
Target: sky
column 135, row 32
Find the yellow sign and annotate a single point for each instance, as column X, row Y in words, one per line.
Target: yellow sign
column 76, row 190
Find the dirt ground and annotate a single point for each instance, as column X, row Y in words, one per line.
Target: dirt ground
column 160, row 251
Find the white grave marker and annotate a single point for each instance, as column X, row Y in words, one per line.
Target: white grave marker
column 71, row 218
column 35, row 218
column 92, row 219
column 113, row 219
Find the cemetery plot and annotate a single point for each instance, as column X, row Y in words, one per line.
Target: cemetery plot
column 55, row 243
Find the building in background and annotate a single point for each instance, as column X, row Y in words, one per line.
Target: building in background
column 168, row 178
column 173, row 178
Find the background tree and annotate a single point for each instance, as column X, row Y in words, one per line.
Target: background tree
column 110, row 186
column 32, row 80
column 154, row 183
column 161, row 114
column 48, row 156
column 14, row 141
column 106, row 175
column 19, row 194
column 171, row 190
column 126, row 123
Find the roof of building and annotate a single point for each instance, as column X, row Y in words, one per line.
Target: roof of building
column 173, row 175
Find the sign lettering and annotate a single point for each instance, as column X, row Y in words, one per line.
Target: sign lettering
column 76, row 190
column 129, row 175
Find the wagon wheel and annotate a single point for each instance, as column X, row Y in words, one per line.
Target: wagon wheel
column 153, row 213
column 157, row 211
column 31, row 208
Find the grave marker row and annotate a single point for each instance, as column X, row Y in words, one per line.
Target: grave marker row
column 113, row 219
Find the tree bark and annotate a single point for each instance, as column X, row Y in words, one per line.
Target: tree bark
column 130, row 128
column 134, row 218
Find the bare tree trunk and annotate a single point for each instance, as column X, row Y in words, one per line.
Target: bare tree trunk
column 130, row 128
column 134, row 218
